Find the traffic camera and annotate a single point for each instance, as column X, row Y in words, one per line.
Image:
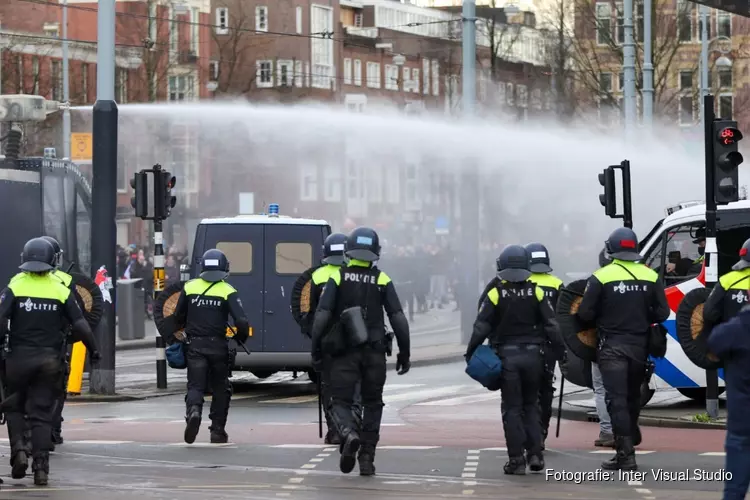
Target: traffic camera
column 609, row 198
column 164, row 201
column 139, row 201
column 727, row 160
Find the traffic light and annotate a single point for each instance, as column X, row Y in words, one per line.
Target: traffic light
column 608, row 199
column 726, row 161
column 139, row 201
column 165, row 202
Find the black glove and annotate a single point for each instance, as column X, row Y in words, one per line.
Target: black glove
column 402, row 363
column 94, row 356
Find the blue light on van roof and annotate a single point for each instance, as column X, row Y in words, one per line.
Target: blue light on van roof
column 273, row 209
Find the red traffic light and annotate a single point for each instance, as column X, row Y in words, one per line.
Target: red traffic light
column 729, row 135
column 171, row 182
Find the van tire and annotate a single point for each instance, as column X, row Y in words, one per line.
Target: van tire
column 262, row 375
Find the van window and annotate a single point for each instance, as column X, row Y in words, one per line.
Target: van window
column 293, row 258
column 240, row 255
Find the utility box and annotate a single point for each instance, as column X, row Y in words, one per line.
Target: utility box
column 131, row 324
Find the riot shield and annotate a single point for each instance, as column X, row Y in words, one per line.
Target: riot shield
column 690, row 331
column 89, row 298
column 580, row 338
column 300, row 300
column 164, row 309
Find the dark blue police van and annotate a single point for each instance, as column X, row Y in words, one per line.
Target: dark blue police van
column 267, row 253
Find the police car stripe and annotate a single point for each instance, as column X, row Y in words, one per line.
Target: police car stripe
column 690, row 285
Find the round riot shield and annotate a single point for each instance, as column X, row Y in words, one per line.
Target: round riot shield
column 164, row 309
column 690, row 329
column 301, row 295
column 577, row 371
column 580, row 338
column 89, row 298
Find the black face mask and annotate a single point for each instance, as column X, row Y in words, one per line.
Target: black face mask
column 701, row 251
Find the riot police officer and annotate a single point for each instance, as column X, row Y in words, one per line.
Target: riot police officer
column 731, row 292
column 519, row 321
column 204, row 306
column 624, row 299
column 37, row 305
column 355, row 296
column 539, row 265
column 333, row 259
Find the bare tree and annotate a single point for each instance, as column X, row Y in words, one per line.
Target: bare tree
column 559, row 35
column 500, row 34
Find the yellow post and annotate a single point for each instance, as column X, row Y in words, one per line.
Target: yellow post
column 77, row 361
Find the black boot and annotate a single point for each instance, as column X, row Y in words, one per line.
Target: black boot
column 536, row 462
column 57, row 436
column 332, row 437
column 516, row 465
column 349, row 449
column 192, row 423
column 19, row 464
column 366, row 460
column 41, row 469
column 218, row 434
column 625, row 457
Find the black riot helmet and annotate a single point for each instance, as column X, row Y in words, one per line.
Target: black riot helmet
column 333, row 249
column 38, row 256
column 56, row 246
column 744, row 261
column 623, row 244
column 513, row 264
column 538, row 258
column 214, row 266
column 363, row 244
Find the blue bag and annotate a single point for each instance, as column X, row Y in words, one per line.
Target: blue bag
column 485, row 367
column 176, row 356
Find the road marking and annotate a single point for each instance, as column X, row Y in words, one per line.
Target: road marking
column 494, row 449
column 301, row 446
column 714, row 454
column 461, row 400
column 294, row 482
column 643, row 491
column 607, row 452
column 407, row 447
column 422, row 394
column 99, row 442
column 470, row 470
column 635, row 483
column 204, row 445
column 293, row 399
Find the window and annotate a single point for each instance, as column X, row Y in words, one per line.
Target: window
column 373, row 75
column 307, row 74
column 298, row 74
column 264, row 74
column 152, row 26
column 214, row 67
column 357, row 72
column 195, row 20
column 680, row 262
column 523, row 95
column 321, row 48
column 222, row 21
column 239, row 254
column 686, row 110
column 686, row 80
column 180, row 88
column 698, row 35
column 56, row 77
column 603, row 23
column 510, row 96
column 639, row 21
column 84, row 82
column 426, row 76
column 261, row 18
column 725, row 106
column 51, row 30
column 685, row 20
column 347, row 71
column 284, row 76
column 299, row 20
column 605, row 83
column 332, row 181
column 391, row 77
column 309, row 184
column 415, row 80
column 725, row 78
column 620, row 26
column 174, row 36
column 435, row 77
column 723, row 23
column 35, row 74
column 405, row 78
column 621, row 81
column 358, row 20
column 293, row 258
column 121, row 86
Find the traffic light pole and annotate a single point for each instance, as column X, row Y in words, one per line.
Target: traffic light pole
column 712, row 249
column 159, row 278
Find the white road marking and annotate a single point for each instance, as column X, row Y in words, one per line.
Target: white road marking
column 300, row 446
column 471, row 464
column 495, row 449
column 714, row 454
column 99, row 442
column 635, row 483
column 407, row 447
column 643, row 491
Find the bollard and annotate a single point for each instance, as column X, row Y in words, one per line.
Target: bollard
column 161, row 363
column 77, row 362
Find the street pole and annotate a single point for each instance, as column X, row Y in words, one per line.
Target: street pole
column 628, row 51
column 704, row 72
column 66, row 82
column 648, row 67
column 104, row 195
column 470, row 183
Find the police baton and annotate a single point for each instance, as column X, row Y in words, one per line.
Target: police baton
column 241, row 344
column 320, row 407
column 559, row 405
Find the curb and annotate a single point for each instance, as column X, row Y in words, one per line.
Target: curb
column 121, row 398
column 132, row 345
column 437, row 360
column 583, row 416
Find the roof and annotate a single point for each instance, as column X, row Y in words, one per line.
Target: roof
column 699, row 211
column 265, row 219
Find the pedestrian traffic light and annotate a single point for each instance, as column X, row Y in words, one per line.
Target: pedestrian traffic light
column 165, row 202
column 727, row 160
column 139, row 201
column 608, row 199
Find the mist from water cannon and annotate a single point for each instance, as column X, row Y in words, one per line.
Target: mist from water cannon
column 544, row 176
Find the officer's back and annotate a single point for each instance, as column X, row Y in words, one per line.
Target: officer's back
column 207, row 308
column 731, row 293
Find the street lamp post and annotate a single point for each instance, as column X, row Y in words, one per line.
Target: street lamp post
column 399, row 60
column 721, row 62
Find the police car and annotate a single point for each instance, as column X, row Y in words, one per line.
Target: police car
column 673, row 240
column 267, row 253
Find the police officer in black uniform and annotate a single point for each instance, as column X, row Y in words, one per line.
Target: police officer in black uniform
column 204, row 306
column 624, row 298
column 37, row 305
column 356, row 296
column 731, row 292
column 519, row 322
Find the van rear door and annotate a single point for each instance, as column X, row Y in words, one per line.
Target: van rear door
column 243, row 246
column 291, row 249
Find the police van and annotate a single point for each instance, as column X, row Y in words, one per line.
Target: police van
column 675, row 239
column 267, row 253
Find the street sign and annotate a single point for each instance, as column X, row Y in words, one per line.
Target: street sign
column 81, row 147
column 441, row 225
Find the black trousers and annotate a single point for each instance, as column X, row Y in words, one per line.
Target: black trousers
column 366, row 366
column 58, row 419
column 547, row 391
column 34, row 377
column 623, row 370
column 209, row 366
column 325, row 389
column 522, row 377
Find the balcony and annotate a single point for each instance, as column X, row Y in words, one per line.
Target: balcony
column 187, row 58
